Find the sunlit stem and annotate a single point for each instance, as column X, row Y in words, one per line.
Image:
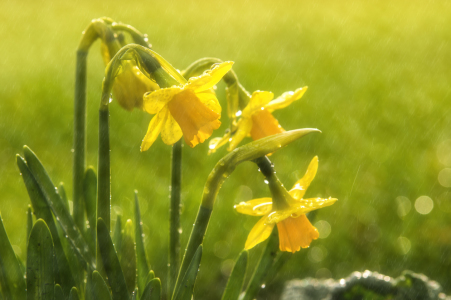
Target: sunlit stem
column 174, row 215
column 266, row 261
column 136, row 35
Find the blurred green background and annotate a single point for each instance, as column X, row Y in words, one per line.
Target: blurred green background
column 379, row 82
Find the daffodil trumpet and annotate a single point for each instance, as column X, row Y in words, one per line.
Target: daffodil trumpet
column 219, row 174
column 286, row 209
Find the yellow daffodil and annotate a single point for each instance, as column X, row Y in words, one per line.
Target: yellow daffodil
column 295, row 230
column 257, row 119
column 130, row 83
column 191, row 110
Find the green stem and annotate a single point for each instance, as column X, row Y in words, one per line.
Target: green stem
column 79, row 137
column 264, row 264
column 137, row 36
column 103, row 182
column 174, row 218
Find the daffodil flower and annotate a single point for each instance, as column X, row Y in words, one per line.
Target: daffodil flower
column 130, row 84
column 295, row 230
column 191, row 110
column 257, row 119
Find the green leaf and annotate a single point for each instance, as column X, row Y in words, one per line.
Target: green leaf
column 29, row 222
column 186, row 288
column 42, row 210
column 90, row 198
column 135, row 295
column 40, row 277
column 59, row 292
column 56, row 204
column 117, row 236
column 63, row 195
column 73, row 294
column 143, row 267
column 128, row 256
column 13, row 283
column 152, row 290
column 236, row 280
column 111, row 263
column 100, row 290
column 150, row 276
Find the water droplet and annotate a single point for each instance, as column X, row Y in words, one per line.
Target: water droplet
column 266, row 181
column 238, row 113
column 263, row 286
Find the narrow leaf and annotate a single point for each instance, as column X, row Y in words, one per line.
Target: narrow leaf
column 143, row 267
column 59, row 292
column 63, row 195
column 13, row 283
column 40, row 278
column 73, row 294
column 150, row 276
column 152, row 290
column 56, row 204
column 62, row 271
column 186, row 289
column 236, row 280
column 29, row 222
column 128, row 256
column 117, row 236
column 111, row 263
column 100, row 290
column 90, row 198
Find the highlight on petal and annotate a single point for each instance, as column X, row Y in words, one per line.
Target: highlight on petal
column 171, row 131
column 195, row 119
column 304, row 206
column 302, row 184
column 208, row 98
column 155, row 127
column 256, row 207
column 264, row 124
column 260, row 232
column 258, row 100
column 286, row 99
column 210, row 77
column 296, row 233
column 156, row 100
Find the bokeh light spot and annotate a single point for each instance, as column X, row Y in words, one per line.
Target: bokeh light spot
column 444, row 177
column 444, row 152
column 424, row 205
column 404, row 206
column 404, row 245
column 323, row 228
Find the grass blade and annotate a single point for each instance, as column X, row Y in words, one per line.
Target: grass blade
column 100, row 290
column 73, row 294
column 236, row 280
column 128, row 256
column 56, row 204
column 143, row 267
column 152, row 290
column 42, row 210
column 59, row 292
column 111, row 263
column 117, row 236
column 29, row 222
column 40, row 277
column 186, row 289
column 13, row 283
column 90, row 197
column 150, row 276
column 63, row 195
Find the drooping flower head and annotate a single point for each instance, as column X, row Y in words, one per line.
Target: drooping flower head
column 257, row 119
column 287, row 209
column 190, row 110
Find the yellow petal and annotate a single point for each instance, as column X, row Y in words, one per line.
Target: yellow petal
column 260, row 232
column 155, row 126
column 286, row 99
column 296, row 233
column 156, row 100
column 195, row 119
column 171, row 131
column 244, row 127
column 304, row 206
column 258, row 100
column 299, row 188
column 264, row 124
column 256, row 207
column 209, row 78
column 208, row 97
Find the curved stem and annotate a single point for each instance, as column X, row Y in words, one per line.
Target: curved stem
column 136, row 35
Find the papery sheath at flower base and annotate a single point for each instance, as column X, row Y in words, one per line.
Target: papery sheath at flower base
column 257, row 119
column 130, row 84
column 190, row 110
column 295, row 230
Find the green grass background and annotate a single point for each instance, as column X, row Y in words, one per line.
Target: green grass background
column 379, row 89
